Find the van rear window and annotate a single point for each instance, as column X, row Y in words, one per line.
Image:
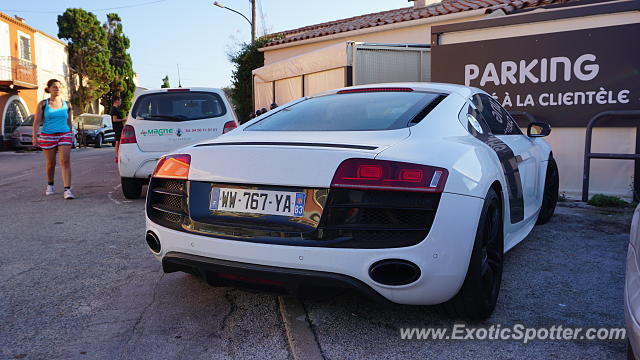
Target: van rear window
column 357, row 111
column 178, row 106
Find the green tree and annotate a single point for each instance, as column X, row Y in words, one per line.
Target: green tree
column 165, row 82
column 245, row 60
column 122, row 83
column 88, row 49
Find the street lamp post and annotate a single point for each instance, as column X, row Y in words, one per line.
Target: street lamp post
column 251, row 22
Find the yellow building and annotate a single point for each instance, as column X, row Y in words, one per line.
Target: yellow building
column 28, row 59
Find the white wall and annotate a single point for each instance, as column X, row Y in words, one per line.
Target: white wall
column 611, row 177
column 5, row 50
column 52, row 62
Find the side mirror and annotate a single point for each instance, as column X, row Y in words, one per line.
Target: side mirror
column 538, row 129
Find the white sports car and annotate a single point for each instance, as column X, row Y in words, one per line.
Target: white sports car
column 408, row 192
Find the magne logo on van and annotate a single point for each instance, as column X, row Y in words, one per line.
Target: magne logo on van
column 156, row 132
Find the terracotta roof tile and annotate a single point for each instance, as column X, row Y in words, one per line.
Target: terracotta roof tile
column 401, row 15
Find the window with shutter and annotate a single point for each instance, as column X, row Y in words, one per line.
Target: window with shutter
column 25, row 48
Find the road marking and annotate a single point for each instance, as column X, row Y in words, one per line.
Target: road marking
column 109, row 195
column 302, row 340
column 14, row 178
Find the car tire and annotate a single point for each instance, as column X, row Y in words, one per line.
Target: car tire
column 550, row 195
column 131, row 187
column 98, row 142
column 478, row 295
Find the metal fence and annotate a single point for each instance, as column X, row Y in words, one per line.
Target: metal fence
column 391, row 63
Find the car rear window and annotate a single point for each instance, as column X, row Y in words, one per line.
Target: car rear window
column 89, row 120
column 358, row 111
column 178, row 106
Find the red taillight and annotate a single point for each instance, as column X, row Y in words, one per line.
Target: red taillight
column 173, row 167
column 389, row 175
column 128, row 135
column 178, row 90
column 380, row 89
column 372, row 172
column 228, row 126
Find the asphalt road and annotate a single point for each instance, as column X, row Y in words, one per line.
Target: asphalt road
column 77, row 282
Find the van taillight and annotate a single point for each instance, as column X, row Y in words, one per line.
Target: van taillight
column 128, row 135
column 389, row 175
column 228, row 126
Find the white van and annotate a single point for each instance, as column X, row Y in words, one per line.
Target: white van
column 164, row 120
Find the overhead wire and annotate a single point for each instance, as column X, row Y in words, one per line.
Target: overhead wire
column 102, row 9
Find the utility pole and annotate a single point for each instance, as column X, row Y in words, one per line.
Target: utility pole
column 253, row 21
column 179, row 81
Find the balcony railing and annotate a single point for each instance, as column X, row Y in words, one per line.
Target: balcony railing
column 18, row 72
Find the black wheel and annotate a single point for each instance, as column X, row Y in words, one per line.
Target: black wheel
column 550, row 196
column 98, row 142
column 479, row 293
column 131, row 187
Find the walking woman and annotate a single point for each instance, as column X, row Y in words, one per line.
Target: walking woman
column 55, row 115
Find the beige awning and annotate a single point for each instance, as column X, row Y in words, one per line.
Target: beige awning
column 330, row 57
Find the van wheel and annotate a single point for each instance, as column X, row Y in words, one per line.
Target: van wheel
column 98, row 143
column 479, row 293
column 550, row 195
column 131, row 187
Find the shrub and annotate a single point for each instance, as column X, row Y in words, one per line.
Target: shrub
column 607, row 201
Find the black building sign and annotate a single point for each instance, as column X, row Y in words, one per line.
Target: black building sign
column 561, row 78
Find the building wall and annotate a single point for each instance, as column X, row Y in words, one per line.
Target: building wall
column 611, row 177
column 52, row 64
column 418, row 34
column 586, row 22
column 30, row 97
column 15, row 29
column 10, row 31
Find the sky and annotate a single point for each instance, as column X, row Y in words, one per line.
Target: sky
column 194, row 33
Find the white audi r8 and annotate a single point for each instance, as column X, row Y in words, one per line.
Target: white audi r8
column 408, row 192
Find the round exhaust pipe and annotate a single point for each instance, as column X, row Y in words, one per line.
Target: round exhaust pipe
column 394, row 272
column 153, row 241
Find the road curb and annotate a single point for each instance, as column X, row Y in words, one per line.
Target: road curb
column 302, row 340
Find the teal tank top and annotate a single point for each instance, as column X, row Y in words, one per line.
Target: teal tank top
column 55, row 120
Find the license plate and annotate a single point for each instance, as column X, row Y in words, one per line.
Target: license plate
column 265, row 202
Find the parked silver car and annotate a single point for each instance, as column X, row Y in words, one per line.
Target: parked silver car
column 22, row 135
